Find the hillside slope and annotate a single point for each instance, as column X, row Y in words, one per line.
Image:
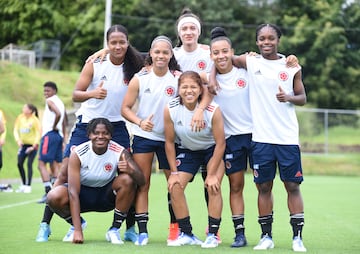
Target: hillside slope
column 21, row 85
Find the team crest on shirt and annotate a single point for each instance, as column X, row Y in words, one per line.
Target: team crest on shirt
column 126, row 82
column 108, row 167
column 228, row 164
column 178, row 162
column 241, row 83
column 72, row 148
column 256, row 174
column 283, row 75
column 169, row 91
column 201, row 65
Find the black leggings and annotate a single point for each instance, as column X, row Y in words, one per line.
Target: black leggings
column 30, row 159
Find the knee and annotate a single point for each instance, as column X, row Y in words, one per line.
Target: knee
column 236, row 188
column 264, row 188
column 55, row 197
column 176, row 191
column 123, row 181
column 292, row 188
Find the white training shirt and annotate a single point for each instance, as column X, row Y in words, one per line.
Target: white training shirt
column 116, row 87
column 187, row 138
column 49, row 116
column 274, row 122
column 233, row 99
column 98, row 170
column 199, row 60
column 154, row 94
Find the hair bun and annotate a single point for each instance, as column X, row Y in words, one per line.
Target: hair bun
column 217, row 32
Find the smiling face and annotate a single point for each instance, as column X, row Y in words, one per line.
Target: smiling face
column 100, row 138
column 190, row 89
column 267, row 41
column 117, row 44
column 161, row 53
column 222, row 53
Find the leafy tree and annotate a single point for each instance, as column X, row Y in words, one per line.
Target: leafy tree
column 323, row 34
column 316, row 31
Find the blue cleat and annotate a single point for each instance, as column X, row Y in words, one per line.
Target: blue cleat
column 44, row 232
column 131, row 235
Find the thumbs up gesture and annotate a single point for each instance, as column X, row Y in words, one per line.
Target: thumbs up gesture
column 281, row 95
column 100, row 92
column 147, row 124
column 123, row 164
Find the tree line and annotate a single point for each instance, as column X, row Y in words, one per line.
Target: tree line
column 324, row 35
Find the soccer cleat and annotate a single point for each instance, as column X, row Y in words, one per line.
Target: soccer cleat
column 184, row 239
column 44, row 232
column 217, row 234
column 239, row 241
column 70, row 234
column 27, row 189
column 143, row 239
column 42, row 200
column 211, row 241
column 113, row 236
column 6, row 188
column 131, row 235
column 20, row 189
column 173, row 232
column 298, row 245
column 265, row 243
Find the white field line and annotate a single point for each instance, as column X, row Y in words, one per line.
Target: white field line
column 17, row 204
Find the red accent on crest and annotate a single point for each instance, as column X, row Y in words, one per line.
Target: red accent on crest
column 108, row 167
column 256, row 174
column 169, row 91
column 283, row 76
column 178, row 162
column 241, row 83
column 201, row 65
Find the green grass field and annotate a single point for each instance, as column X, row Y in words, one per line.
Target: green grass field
column 332, row 222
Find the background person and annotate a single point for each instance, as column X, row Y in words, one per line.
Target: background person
column 27, row 132
column 102, row 177
column 2, row 135
column 205, row 147
column 53, row 133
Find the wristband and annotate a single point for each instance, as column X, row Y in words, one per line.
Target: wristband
column 174, row 173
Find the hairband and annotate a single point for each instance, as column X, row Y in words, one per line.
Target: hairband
column 161, row 38
column 189, row 20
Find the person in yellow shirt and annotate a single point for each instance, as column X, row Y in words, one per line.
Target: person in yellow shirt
column 2, row 134
column 27, row 133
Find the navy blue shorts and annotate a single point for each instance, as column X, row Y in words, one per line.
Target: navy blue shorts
column 97, row 199
column 237, row 153
column 144, row 145
column 51, row 147
column 190, row 161
column 79, row 135
column 266, row 158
